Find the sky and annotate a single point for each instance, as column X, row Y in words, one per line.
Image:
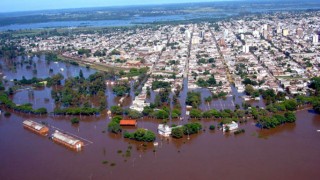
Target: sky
column 31, row 5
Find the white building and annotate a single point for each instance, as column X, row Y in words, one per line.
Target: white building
column 195, row 40
column 225, row 34
column 232, row 126
column 245, row 48
column 256, row 34
column 188, row 34
column 242, row 36
column 315, row 39
column 285, row 32
column 158, row 48
column 164, row 130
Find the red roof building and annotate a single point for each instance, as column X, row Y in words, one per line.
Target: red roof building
column 128, row 122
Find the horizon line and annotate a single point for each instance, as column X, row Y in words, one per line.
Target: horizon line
column 129, row 5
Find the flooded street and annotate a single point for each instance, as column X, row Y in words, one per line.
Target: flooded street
column 290, row 151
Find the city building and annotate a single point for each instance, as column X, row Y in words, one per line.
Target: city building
column 285, row 32
column 315, row 39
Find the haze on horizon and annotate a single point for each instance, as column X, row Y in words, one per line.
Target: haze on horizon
column 34, row 5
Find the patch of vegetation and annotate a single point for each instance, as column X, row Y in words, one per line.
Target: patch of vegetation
column 191, row 128
column 114, row 125
column 121, row 89
column 7, row 114
column 177, row 132
column 75, row 120
column 160, row 84
column 141, row 135
column 193, row 99
column 212, row 127
column 25, row 108
column 207, row 83
column 267, row 122
column 116, row 110
column 239, row 131
column 76, row 111
column 105, row 162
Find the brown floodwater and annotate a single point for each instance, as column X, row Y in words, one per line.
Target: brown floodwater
column 288, row 152
column 291, row 151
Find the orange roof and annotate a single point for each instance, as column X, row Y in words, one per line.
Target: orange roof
column 128, row 122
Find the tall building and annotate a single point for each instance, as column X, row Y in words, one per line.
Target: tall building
column 265, row 34
column 188, row 34
column 225, row 34
column 245, row 48
column 279, row 30
column 315, row 39
column 242, row 36
column 265, row 27
column 222, row 42
column 195, row 40
column 201, row 34
column 299, row 32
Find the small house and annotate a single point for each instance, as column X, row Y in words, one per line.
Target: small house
column 128, row 122
column 231, row 126
column 164, row 130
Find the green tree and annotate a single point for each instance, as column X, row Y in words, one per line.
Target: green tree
column 291, row 104
column 134, row 114
column 316, row 106
column 177, row 132
column 161, row 114
column 206, row 114
column 212, row 127
column 116, row 110
column 157, row 101
column 121, row 89
column 141, row 135
column 81, row 74
column 75, row 120
column 249, row 89
column 114, row 127
column 290, row 117
column 193, row 99
column 147, row 110
column 192, row 128
column 195, row 113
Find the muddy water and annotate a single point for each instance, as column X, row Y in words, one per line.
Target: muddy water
column 42, row 68
column 291, row 151
column 37, row 96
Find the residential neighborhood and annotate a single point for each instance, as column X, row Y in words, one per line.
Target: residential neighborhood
column 279, row 52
